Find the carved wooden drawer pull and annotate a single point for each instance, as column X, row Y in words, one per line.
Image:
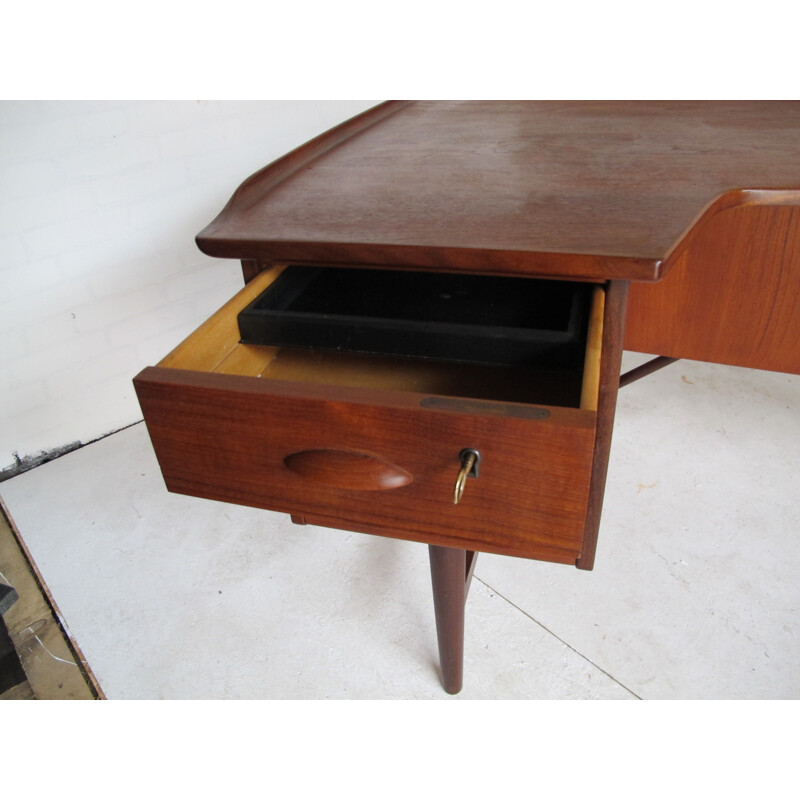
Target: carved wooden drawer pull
column 347, row 469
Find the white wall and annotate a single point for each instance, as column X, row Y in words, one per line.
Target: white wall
column 99, row 273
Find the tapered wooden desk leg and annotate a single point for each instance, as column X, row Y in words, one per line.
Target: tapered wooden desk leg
column 449, row 578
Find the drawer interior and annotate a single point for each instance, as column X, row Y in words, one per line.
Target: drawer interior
column 490, row 338
column 444, row 316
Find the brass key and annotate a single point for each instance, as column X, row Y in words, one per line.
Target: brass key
column 469, row 463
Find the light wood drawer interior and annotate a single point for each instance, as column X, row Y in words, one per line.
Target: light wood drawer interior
column 215, row 347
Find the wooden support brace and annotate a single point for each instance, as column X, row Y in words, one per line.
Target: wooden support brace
column 646, row 369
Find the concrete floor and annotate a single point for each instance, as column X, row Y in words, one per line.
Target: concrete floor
column 694, row 593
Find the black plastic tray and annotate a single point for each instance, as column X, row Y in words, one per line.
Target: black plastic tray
column 455, row 317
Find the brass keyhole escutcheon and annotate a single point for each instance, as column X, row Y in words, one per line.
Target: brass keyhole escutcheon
column 469, row 469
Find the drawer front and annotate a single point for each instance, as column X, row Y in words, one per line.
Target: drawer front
column 383, row 462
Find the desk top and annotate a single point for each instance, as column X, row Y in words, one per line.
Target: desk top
column 589, row 190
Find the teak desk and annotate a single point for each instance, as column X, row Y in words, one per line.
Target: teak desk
column 696, row 204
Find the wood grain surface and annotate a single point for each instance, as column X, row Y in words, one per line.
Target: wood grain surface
column 227, row 437
column 733, row 295
column 592, row 190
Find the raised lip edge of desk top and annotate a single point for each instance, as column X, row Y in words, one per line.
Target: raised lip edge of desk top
column 216, row 239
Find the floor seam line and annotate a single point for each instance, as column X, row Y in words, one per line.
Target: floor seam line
column 556, row 636
column 47, row 456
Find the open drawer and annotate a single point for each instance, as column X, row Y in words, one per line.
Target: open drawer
column 373, row 442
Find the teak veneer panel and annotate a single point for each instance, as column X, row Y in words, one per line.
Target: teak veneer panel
column 228, row 438
column 733, row 296
column 595, row 190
